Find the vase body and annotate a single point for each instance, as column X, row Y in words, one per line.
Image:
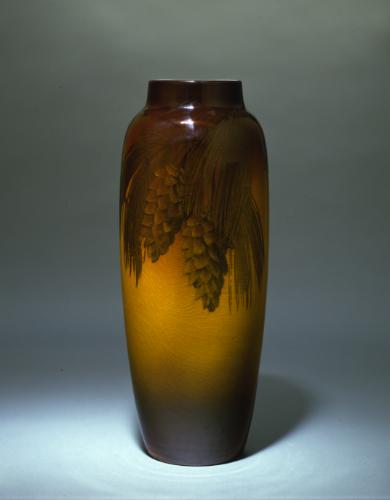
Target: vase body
column 194, row 245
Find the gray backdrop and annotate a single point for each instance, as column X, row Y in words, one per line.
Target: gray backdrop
column 316, row 74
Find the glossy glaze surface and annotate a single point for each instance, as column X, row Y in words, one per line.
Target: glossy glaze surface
column 194, row 245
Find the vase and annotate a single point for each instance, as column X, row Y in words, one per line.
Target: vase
column 193, row 250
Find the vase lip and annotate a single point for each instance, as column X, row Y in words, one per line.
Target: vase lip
column 166, row 92
column 180, row 80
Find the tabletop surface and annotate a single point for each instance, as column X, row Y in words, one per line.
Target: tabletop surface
column 70, row 430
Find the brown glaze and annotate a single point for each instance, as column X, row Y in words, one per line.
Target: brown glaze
column 194, row 247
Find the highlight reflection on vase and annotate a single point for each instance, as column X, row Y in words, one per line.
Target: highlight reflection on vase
column 194, row 244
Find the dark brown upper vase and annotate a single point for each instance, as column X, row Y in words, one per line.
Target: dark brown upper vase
column 194, row 246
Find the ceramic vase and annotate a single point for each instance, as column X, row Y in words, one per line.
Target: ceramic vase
column 193, row 246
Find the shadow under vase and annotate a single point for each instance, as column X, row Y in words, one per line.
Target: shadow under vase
column 281, row 405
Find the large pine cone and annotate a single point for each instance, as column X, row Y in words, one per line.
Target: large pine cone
column 205, row 261
column 162, row 213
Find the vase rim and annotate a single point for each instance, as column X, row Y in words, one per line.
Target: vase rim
column 166, row 92
column 179, row 80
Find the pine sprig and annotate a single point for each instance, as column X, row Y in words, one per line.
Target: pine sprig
column 202, row 187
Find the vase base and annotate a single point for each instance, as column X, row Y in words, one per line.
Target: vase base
column 195, row 461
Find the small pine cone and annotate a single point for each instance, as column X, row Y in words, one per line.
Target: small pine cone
column 205, row 261
column 162, row 213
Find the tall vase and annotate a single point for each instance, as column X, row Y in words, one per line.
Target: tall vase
column 194, row 244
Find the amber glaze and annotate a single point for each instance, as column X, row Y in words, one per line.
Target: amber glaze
column 194, row 362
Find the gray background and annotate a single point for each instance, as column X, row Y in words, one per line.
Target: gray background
column 316, row 74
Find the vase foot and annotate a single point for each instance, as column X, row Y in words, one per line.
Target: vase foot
column 194, row 460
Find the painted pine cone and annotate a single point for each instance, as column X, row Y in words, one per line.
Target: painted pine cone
column 205, row 261
column 162, row 213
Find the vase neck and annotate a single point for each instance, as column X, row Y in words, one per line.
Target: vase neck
column 195, row 93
